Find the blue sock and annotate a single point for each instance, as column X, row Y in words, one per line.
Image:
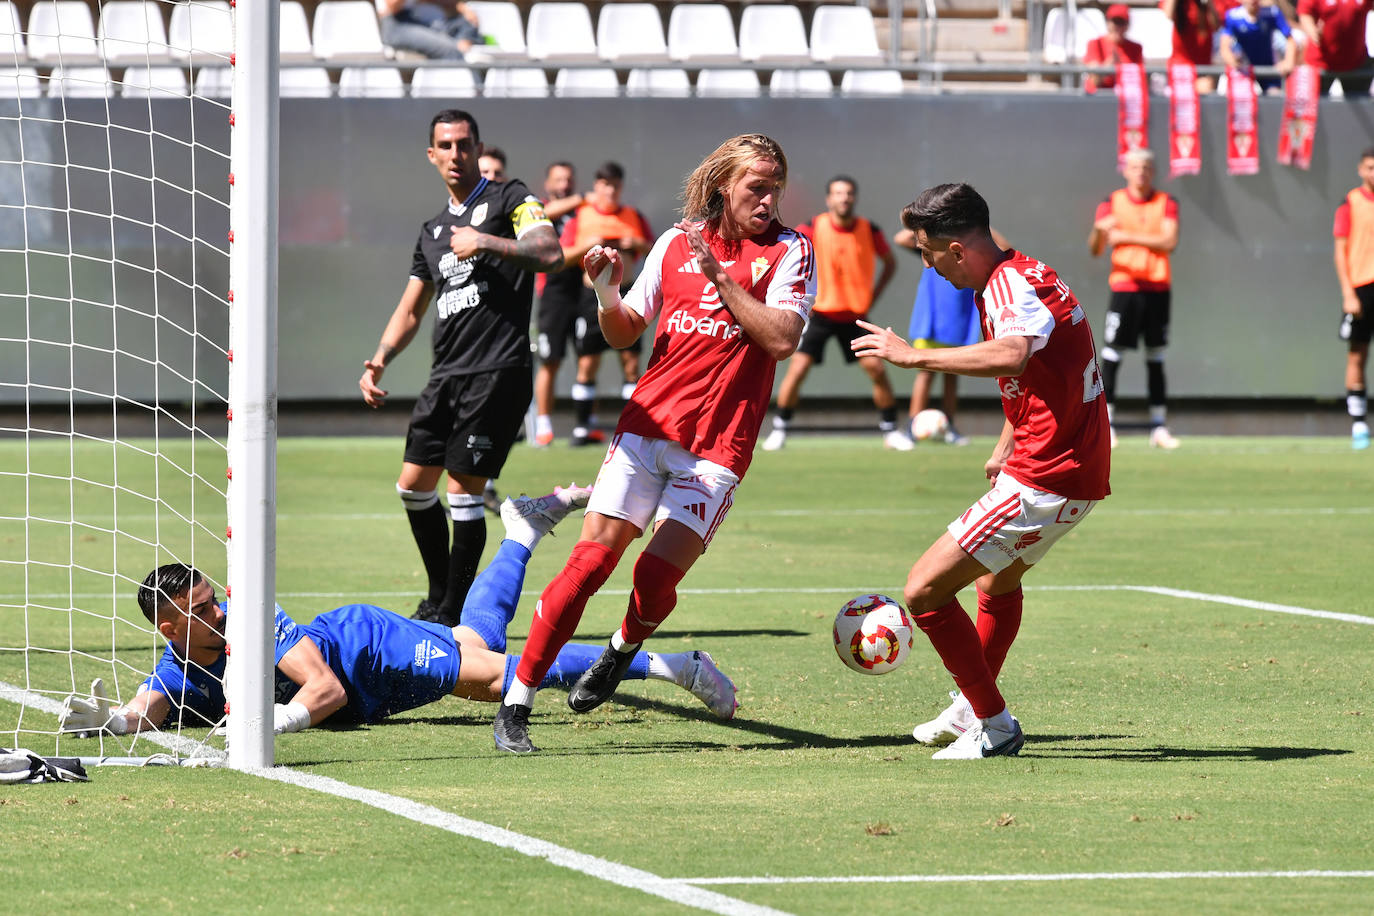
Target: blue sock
column 572, row 662
column 495, row 593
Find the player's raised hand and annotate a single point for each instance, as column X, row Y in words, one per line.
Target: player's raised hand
column 884, row 344
column 85, row 717
column 463, row 241
column 710, row 265
column 373, row 395
column 604, row 266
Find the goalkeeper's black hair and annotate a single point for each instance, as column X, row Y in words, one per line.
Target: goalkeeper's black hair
column 454, row 116
column 947, row 211
column 164, row 585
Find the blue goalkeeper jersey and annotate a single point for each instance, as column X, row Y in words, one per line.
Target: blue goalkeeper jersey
column 386, row 663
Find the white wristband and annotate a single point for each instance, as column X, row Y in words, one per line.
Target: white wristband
column 118, row 723
column 290, row 717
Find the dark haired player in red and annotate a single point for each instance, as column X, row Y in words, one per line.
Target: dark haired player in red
column 1048, row 469
column 731, row 288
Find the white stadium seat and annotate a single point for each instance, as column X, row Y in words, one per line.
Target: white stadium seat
column 371, row 83
column 132, row 30
column 213, row 83
column 512, row 82
column 500, row 21
column 632, row 31
column 19, row 83
column 12, row 48
column 1154, row 31
column 560, row 30
column 800, row 82
column 702, row 32
column 871, row 82
column 659, row 82
column 295, row 33
column 305, row 83
column 153, row 82
column 1088, row 25
column 438, row 82
column 716, row 83
column 843, row 33
column 772, row 33
column 592, row 82
column 206, row 26
column 60, row 30
column 347, row 28
column 80, row 82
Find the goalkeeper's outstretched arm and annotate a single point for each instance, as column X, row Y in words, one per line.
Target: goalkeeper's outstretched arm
column 89, row 715
column 320, row 695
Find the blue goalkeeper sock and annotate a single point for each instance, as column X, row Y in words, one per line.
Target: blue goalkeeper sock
column 495, row 593
column 572, row 662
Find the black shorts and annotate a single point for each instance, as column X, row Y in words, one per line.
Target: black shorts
column 1131, row 314
column 820, row 329
column 468, row 423
column 569, row 318
column 1355, row 331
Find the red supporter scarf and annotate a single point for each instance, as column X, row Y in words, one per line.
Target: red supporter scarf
column 1242, row 139
column 1132, row 111
column 1299, row 117
column 1185, row 152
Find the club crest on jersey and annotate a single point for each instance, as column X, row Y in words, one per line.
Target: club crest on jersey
column 479, row 213
column 758, row 269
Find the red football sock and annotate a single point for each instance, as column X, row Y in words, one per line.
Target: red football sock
column 653, row 598
column 956, row 640
column 999, row 617
column 560, row 608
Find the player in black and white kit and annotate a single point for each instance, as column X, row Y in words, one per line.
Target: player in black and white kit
column 476, row 260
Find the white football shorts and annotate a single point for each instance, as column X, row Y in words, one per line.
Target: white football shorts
column 1016, row 521
column 645, row 481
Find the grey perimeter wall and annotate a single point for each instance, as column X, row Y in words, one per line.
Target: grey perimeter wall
column 1256, row 304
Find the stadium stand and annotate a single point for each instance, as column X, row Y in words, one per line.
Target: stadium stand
column 347, row 28
column 79, row 82
column 773, row 34
column 843, row 33
column 61, row 31
column 501, row 23
column 871, row 82
column 631, row 32
column 515, row 82
column 371, row 83
column 295, row 41
column 19, row 83
column 597, row 81
column 132, row 31
column 669, row 82
column 560, row 30
column 1154, row 31
column 152, row 82
column 800, row 82
column 440, row 82
column 306, row 83
column 1088, row 24
column 210, row 23
column 702, row 33
column 717, row 83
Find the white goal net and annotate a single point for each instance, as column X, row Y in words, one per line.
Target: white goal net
column 119, row 199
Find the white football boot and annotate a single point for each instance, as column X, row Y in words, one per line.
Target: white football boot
column 527, row 519
column 710, row 685
column 897, row 440
column 776, row 439
column 1160, row 437
column 949, row 725
column 983, row 741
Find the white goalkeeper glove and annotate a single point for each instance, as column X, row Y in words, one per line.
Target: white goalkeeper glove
column 86, row 717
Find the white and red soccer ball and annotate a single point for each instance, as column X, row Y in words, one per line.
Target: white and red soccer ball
column 929, row 424
column 873, row 634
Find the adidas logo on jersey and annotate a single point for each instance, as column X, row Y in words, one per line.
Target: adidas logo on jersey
column 694, row 266
column 426, row 652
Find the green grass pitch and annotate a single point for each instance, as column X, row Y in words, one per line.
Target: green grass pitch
column 1165, row 733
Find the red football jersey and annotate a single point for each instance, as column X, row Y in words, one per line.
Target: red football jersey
column 1056, row 407
column 708, row 384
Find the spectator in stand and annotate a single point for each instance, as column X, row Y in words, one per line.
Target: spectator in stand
column 492, row 164
column 602, row 221
column 1109, row 50
column 849, row 249
column 438, row 29
column 1335, row 31
column 1194, row 23
column 1353, row 231
column 1247, row 37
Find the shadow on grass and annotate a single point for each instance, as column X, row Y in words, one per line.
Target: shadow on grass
column 1070, row 747
column 601, row 637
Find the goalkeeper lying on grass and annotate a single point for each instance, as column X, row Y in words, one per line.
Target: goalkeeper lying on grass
column 361, row 663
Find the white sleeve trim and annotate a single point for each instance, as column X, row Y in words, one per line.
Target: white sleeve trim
column 645, row 298
column 797, row 265
column 1015, row 309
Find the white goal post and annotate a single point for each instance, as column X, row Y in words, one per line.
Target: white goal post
column 138, row 354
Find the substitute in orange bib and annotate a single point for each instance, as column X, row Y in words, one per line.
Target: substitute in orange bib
column 1354, row 234
column 848, row 251
column 1139, row 223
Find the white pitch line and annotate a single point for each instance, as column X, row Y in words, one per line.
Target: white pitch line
column 677, row 891
column 1216, row 599
column 1066, row 876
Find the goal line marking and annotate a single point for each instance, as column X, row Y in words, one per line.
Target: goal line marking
column 676, row 890
column 1065, row 876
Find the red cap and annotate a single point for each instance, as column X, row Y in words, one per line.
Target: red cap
column 1119, row 11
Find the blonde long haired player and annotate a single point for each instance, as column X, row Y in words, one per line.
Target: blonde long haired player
column 731, row 288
